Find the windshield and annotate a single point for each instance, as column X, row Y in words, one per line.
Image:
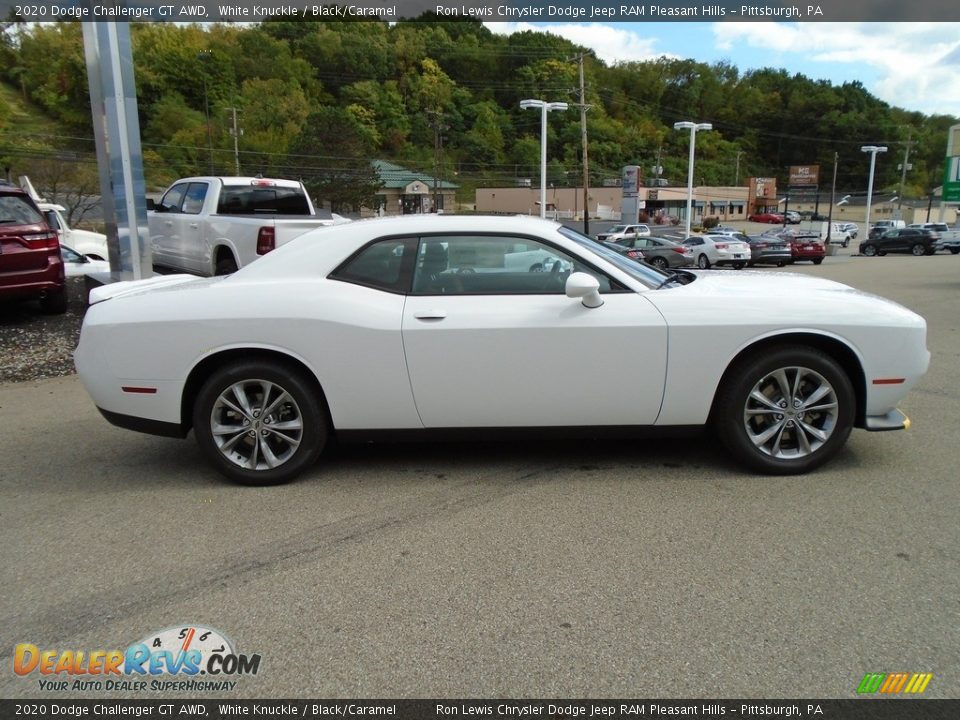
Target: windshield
column 617, row 228
column 641, row 272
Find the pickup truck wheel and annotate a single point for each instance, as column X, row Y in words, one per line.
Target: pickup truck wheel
column 259, row 422
column 226, row 265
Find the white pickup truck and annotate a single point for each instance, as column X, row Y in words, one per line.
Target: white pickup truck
column 216, row 225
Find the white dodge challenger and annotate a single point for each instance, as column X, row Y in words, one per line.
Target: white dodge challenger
column 424, row 326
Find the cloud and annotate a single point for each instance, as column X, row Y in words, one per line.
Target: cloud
column 914, row 64
column 609, row 44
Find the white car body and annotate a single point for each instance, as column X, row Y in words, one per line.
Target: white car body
column 711, row 250
column 76, row 264
column 400, row 359
column 618, row 232
column 86, row 242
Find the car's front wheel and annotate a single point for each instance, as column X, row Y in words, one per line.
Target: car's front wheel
column 785, row 411
column 260, row 422
column 870, row 250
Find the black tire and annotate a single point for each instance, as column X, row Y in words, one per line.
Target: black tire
column 954, row 251
column 54, row 303
column 845, row 243
column 226, row 265
column 781, row 263
column 918, row 250
column 703, row 262
column 303, row 407
column 817, row 261
column 739, row 266
column 659, row 263
column 870, row 250
column 815, row 371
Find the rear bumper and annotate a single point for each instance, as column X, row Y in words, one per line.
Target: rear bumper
column 893, row 420
column 144, row 425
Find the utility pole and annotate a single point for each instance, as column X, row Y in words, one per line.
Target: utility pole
column 583, row 137
column 833, row 193
column 906, row 166
column 736, row 178
column 435, row 120
column 236, row 132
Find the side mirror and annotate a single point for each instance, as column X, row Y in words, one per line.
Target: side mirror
column 586, row 287
column 151, row 205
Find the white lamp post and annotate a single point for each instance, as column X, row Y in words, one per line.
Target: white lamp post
column 873, row 150
column 692, row 127
column 844, row 200
column 544, row 107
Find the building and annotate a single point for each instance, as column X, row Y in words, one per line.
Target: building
column 406, row 192
column 724, row 202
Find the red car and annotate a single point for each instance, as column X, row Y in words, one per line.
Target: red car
column 768, row 217
column 804, row 245
column 30, row 263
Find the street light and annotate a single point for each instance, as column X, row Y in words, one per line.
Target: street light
column 873, row 150
column 692, row 127
column 544, row 107
column 844, row 200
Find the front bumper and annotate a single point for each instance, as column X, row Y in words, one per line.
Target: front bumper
column 893, row 420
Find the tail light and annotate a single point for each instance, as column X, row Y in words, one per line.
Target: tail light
column 266, row 240
column 634, row 255
column 681, row 250
column 47, row 239
column 721, row 246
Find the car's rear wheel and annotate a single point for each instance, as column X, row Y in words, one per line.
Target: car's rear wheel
column 703, row 262
column 918, row 250
column 659, row 263
column 955, row 250
column 54, row 303
column 226, row 265
column 739, row 265
column 260, row 422
column 817, row 261
column 870, row 250
column 785, row 411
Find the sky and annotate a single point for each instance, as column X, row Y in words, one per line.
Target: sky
column 915, row 66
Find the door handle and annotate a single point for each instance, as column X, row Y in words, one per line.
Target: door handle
column 168, row 223
column 194, row 225
column 430, row 315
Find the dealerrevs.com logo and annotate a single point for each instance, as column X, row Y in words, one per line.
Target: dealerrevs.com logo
column 172, row 659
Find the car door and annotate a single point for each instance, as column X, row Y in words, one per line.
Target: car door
column 165, row 227
column 192, row 246
column 490, row 347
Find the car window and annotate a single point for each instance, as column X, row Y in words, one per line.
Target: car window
column 250, row 200
column 69, row 255
column 52, row 221
column 193, row 198
column 379, row 265
column 171, row 200
column 14, row 210
column 494, row 265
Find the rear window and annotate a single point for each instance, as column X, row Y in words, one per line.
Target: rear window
column 16, row 210
column 243, row 200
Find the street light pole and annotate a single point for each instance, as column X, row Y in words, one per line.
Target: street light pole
column 692, row 127
column 873, row 150
column 544, row 108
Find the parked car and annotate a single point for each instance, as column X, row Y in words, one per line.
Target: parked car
column 711, row 250
column 851, row 228
column 915, row 241
column 86, row 242
column 949, row 239
column 792, row 217
column 804, row 244
column 624, row 250
column 837, row 234
column 344, row 333
column 618, row 232
column 660, row 252
column 215, row 225
column 767, row 217
column 77, row 265
column 768, row 251
column 31, row 267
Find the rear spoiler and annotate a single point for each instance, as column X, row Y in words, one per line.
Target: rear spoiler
column 130, row 287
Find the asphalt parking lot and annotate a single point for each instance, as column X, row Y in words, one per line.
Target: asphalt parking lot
column 589, row 569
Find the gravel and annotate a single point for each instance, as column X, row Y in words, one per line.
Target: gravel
column 34, row 345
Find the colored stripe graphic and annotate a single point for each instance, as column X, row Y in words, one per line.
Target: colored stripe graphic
column 894, row 683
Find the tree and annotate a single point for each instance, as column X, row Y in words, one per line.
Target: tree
column 333, row 157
